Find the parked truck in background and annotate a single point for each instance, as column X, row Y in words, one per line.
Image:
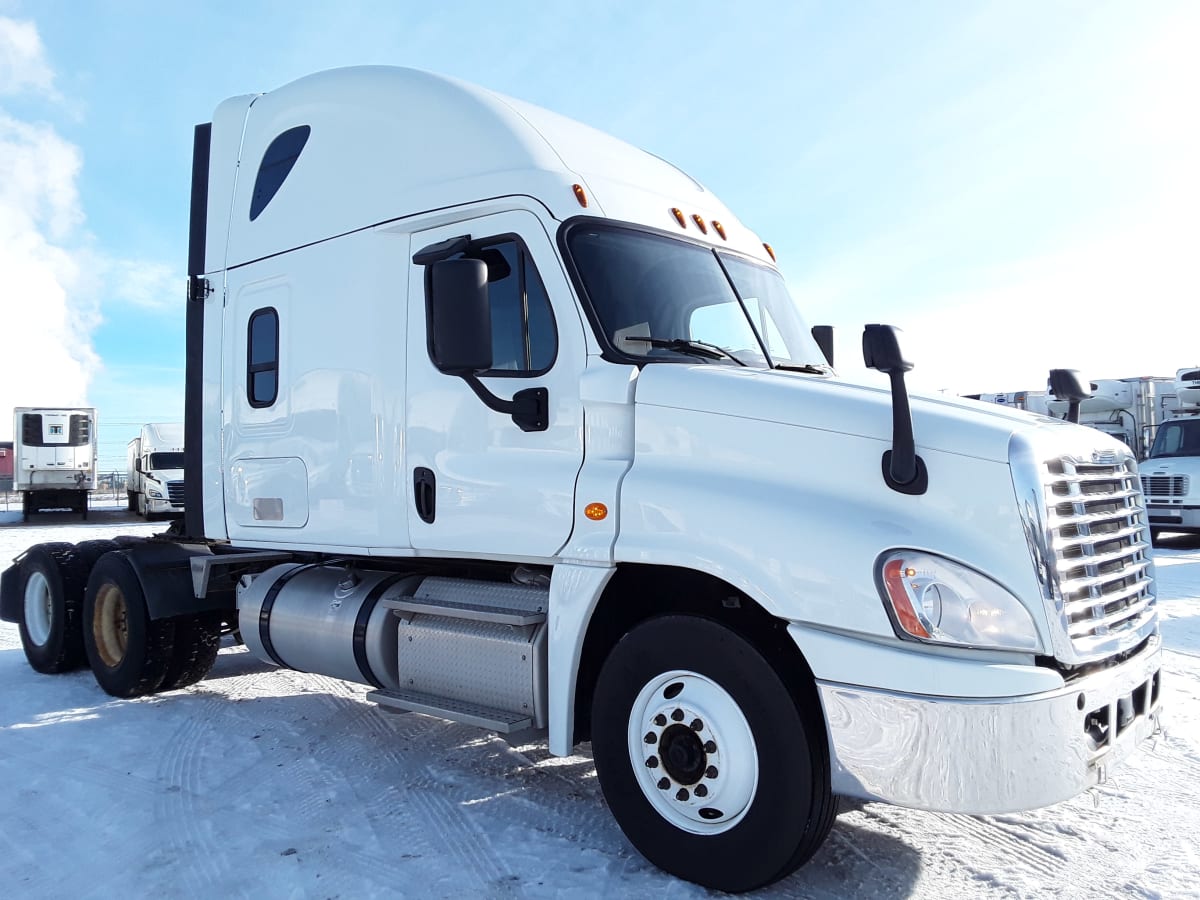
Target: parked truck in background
column 1171, row 472
column 1129, row 409
column 154, row 483
column 1029, row 401
column 54, row 465
column 518, row 424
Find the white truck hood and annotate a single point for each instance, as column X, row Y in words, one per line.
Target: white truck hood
column 949, row 424
column 1171, row 465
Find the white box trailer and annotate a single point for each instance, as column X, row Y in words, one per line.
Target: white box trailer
column 154, row 481
column 1128, row 409
column 518, row 425
column 54, row 457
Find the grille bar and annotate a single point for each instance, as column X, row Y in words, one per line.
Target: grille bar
column 1165, row 485
column 1100, row 567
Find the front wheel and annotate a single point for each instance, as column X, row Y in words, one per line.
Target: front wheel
column 714, row 766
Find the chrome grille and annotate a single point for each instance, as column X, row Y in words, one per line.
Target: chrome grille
column 175, row 492
column 1101, row 565
column 1165, row 485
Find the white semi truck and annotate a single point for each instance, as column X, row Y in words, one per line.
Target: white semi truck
column 154, row 482
column 518, row 425
column 54, row 458
column 1171, row 473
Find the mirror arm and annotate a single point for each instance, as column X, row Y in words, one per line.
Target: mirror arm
column 529, row 409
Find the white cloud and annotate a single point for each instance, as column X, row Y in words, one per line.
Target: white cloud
column 23, row 67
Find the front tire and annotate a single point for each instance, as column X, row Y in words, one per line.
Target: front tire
column 714, row 766
column 129, row 652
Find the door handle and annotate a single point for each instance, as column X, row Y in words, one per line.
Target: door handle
column 425, row 493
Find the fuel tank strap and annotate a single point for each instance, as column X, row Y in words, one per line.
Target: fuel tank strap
column 264, row 612
column 360, row 627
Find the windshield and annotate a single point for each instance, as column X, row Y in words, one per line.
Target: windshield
column 1180, row 438
column 658, row 298
column 165, row 461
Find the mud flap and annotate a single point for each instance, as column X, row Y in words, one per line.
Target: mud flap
column 10, row 594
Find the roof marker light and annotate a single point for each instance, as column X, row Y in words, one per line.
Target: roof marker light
column 720, row 229
column 700, row 224
column 679, row 216
column 580, row 194
column 767, row 247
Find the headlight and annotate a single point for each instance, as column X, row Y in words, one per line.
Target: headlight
column 151, row 492
column 934, row 600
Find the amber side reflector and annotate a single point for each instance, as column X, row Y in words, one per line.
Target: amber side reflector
column 770, row 251
column 580, row 194
column 679, row 216
column 595, row 511
column 700, row 224
column 720, row 229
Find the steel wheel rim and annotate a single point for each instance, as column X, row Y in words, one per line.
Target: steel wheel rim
column 705, row 791
column 39, row 608
column 110, row 625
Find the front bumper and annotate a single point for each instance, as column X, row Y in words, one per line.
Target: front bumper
column 991, row 755
column 155, row 505
column 1174, row 517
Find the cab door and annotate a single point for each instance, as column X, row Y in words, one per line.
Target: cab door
column 480, row 486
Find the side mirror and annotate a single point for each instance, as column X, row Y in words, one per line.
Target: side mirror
column 1065, row 384
column 903, row 470
column 137, row 465
column 823, row 335
column 881, row 350
column 460, row 319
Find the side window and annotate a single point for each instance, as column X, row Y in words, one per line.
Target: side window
column 262, row 357
column 275, row 167
column 524, row 341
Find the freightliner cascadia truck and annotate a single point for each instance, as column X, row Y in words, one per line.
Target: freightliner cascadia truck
column 154, row 480
column 518, row 425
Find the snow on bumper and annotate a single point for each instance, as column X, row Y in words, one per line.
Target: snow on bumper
column 990, row 755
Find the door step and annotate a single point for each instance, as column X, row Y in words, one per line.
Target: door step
column 455, row 710
column 478, row 601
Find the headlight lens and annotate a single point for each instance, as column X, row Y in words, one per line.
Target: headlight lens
column 934, row 600
column 151, row 492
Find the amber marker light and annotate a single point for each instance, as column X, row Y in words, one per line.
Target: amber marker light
column 719, row 229
column 770, row 251
column 679, row 216
column 700, row 224
column 580, row 194
column 894, row 575
column 595, row 511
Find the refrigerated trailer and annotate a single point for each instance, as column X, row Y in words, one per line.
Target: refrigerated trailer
column 54, row 458
column 518, row 425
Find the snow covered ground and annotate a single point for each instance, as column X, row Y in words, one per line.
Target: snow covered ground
column 265, row 783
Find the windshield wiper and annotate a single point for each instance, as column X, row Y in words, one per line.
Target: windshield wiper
column 808, row 368
column 681, row 345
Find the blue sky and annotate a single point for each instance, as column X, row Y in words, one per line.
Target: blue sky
column 1015, row 184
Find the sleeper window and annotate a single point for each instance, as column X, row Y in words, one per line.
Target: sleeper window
column 262, row 357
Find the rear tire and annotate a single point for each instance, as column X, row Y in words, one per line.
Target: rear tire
column 129, row 652
column 197, row 640
column 714, row 766
column 52, row 582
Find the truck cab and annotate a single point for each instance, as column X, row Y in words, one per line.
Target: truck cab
column 154, row 481
column 1171, row 472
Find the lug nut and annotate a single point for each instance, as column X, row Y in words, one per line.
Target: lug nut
column 697, row 725
column 677, row 715
column 652, row 762
column 710, row 746
column 664, row 783
column 710, row 772
column 650, row 737
column 660, row 720
column 682, row 795
column 701, row 790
